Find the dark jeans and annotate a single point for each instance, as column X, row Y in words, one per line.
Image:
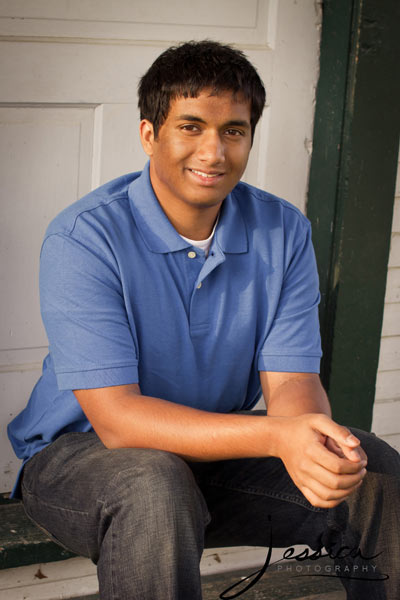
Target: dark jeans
column 143, row 516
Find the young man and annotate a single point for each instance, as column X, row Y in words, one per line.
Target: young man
column 171, row 299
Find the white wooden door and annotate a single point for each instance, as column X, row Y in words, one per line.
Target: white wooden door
column 68, row 122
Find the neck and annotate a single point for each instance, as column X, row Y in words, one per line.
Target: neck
column 196, row 226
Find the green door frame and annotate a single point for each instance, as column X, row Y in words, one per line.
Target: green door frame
column 351, row 193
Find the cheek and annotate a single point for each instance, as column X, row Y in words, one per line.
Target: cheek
column 178, row 144
column 244, row 156
column 181, row 149
column 238, row 161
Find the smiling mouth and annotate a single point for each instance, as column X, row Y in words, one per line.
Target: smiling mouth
column 206, row 175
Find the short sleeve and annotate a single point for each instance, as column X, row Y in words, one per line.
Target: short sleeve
column 293, row 341
column 83, row 310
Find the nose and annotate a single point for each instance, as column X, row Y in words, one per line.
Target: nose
column 211, row 148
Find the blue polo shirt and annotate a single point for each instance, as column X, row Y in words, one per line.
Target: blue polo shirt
column 125, row 299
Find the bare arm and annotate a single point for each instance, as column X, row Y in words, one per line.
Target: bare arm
column 292, row 394
column 323, row 465
column 122, row 417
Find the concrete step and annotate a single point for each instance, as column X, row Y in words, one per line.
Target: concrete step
column 282, row 584
column 76, row 579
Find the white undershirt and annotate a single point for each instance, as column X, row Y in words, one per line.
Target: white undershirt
column 202, row 244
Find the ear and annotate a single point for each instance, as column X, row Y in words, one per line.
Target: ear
column 147, row 136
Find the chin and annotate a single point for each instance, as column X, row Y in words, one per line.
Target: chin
column 207, row 202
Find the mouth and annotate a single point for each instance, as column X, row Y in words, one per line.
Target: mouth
column 206, row 177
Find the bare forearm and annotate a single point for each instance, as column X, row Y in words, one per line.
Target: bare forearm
column 297, row 395
column 123, row 417
column 129, row 419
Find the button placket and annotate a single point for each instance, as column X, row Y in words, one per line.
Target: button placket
column 194, row 262
column 198, row 305
column 199, row 313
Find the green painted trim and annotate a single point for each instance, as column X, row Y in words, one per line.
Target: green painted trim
column 327, row 139
column 351, row 193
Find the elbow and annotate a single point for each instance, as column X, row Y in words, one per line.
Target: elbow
column 110, row 439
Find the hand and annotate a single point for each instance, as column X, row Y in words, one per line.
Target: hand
column 324, row 460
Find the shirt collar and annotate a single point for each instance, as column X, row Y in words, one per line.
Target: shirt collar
column 159, row 234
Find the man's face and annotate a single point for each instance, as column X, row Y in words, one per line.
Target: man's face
column 201, row 150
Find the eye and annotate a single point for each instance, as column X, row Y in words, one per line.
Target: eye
column 189, row 127
column 234, row 132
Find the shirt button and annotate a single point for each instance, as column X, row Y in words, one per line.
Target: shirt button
column 199, row 286
column 192, row 254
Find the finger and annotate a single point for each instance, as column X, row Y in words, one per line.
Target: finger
column 332, row 481
column 355, row 454
column 333, row 447
column 363, row 456
column 316, row 500
column 346, row 441
column 321, row 499
column 352, row 453
column 321, row 455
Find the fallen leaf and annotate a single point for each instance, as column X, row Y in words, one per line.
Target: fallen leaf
column 216, row 557
column 39, row 575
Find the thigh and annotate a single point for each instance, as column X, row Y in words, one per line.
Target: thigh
column 59, row 489
column 254, row 502
column 75, row 486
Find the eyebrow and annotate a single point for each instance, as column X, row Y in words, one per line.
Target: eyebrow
column 233, row 123
column 186, row 117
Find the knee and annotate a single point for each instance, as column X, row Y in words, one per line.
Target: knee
column 157, row 481
column 382, row 458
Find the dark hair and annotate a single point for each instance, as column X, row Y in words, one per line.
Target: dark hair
column 189, row 68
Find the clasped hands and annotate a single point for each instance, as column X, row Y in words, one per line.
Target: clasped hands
column 324, row 459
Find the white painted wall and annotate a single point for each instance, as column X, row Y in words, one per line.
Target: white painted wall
column 386, row 418
column 68, row 122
